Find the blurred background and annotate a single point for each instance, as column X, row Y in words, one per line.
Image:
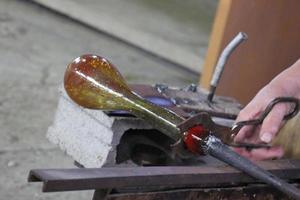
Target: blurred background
column 149, row 41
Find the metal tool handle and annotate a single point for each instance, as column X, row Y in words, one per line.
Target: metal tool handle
column 237, row 127
column 240, row 37
column 277, row 100
column 214, row 147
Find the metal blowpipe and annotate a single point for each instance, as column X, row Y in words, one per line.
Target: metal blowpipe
column 93, row 82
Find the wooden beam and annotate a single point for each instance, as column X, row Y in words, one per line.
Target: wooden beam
column 215, row 43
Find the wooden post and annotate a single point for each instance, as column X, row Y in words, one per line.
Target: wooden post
column 215, row 44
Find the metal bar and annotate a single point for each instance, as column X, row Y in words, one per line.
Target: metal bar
column 103, row 178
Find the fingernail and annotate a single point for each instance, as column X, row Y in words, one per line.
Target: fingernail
column 266, row 137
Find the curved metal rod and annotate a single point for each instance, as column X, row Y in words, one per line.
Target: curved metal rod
column 240, row 37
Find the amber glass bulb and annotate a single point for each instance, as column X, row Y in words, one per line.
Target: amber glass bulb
column 93, row 82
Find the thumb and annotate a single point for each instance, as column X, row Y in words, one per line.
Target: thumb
column 272, row 123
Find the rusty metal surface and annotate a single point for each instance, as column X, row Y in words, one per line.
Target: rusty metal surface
column 203, row 119
column 187, row 102
column 103, row 178
column 197, row 102
column 253, row 192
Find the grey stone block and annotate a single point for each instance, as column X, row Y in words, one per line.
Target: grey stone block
column 89, row 136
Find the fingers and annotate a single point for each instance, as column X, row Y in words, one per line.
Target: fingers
column 266, row 132
column 253, row 136
column 269, row 128
column 251, row 111
column 243, row 134
column 272, row 123
column 261, row 154
column 247, row 113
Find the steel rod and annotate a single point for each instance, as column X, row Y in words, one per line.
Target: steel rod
column 214, row 147
column 239, row 38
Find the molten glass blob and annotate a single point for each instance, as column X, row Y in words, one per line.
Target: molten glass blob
column 193, row 137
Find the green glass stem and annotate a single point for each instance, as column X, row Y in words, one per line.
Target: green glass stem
column 162, row 119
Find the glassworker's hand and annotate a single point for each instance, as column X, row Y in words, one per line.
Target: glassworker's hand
column 283, row 85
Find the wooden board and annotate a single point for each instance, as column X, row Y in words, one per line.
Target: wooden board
column 273, row 28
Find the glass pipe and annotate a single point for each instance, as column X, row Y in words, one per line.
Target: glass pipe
column 93, row 82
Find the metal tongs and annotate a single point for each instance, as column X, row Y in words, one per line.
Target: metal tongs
column 295, row 109
column 218, row 139
column 256, row 122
